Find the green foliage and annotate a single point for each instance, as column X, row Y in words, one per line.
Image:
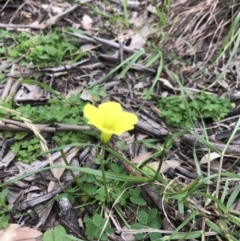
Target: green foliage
column 26, row 149
column 179, row 114
column 136, row 197
column 121, row 145
column 94, row 228
column 146, row 95
column 66, row 194
column 94, row 187
column 4, row 209
column 149, row 143
column 3, row 114
column 97, row 93
column 149, row 219
column 58, row 234
column 56, row 110
column 4, row 221
column 40, row 50
column 117, row 190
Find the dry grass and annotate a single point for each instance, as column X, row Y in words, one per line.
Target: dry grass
column 199, row 27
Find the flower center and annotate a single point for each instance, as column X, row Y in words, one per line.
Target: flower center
column 107, row 127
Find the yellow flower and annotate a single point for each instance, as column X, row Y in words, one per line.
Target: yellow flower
column 110, row 119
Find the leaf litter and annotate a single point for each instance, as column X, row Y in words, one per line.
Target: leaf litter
column 195, row 39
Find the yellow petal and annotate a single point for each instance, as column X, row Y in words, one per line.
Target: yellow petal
column 105, row 130
column 111, row 112
column 120, row 131
column 93, row 115
column 125, row 121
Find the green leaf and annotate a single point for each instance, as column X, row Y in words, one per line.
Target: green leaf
column 138, row 201
column 152, row 214
column 138, row 226
column 117, row 168
column 233, row 197
column 155, row 236
column 142, row 217
column 48, row 236
column 102, row 92
column 30, row 148
column 121, row 145
column 155, row 223
column 3, row 193
column 135, row 192
column 59, row 233
column 97, row 220
column 65, row 138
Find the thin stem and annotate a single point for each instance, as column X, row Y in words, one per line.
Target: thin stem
column 103, row 171
column 73, row 175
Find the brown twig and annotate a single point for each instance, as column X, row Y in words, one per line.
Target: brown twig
column 19, row 126
column 35, row 25
column 231, row 149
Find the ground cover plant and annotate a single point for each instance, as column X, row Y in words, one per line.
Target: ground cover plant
column 119, row 120
column 42, row 50
column 201, row 106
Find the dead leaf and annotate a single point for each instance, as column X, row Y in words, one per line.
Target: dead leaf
column 29, row 93
column 86, row 22
column 165, row 165
column 54, row 9
column 140, row 158
column 224, row 84
column 139, row 39
column 74, row 91
column 124, row 35
column 139, row 85
column 86, row 96
column 215, row 164
column 209, row 157
column 15, row 232
column 57, row 172
column 152, row 9
column 166, row 83
column 8, row 158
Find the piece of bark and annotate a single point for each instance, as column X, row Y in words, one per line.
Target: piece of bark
column 68, row 218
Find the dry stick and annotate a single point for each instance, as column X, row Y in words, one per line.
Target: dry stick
column 11, row 87
column 135, row 66
column 97, row 40
column 29, row 72
column 16, row 12
column 35, row 25
column 6, row 3
column 20, row 126
column 147, row 128
column 8, row 85
column 7, row 89
column 23, row 127
column 13, row 90
column 54, row 19
column 232, row 149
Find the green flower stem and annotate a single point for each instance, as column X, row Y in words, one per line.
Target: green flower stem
column 103, row 171
column 2, row 203
column 73, row 175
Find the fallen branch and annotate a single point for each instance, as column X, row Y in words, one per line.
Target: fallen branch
column 11, row 125
column 231, row 149
column 35, row 25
